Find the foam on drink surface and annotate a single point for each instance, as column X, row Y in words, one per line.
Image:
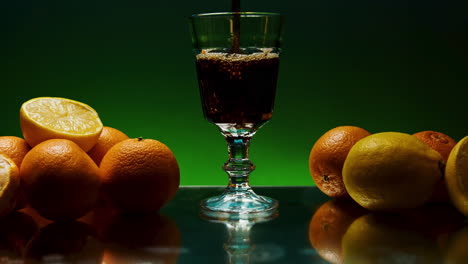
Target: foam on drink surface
column 237, row 57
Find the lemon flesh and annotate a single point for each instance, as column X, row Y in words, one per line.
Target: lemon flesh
column 456, row 175
column 391, row 171
column 46, row 118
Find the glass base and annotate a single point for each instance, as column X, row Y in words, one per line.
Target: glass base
column 238, row 205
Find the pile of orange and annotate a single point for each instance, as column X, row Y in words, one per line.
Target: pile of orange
column 390, row 171
column 68, row 162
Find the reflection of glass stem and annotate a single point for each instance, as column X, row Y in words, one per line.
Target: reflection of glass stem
column 238, row 245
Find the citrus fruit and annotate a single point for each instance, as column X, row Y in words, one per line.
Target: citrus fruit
column 60, row 180
column 387, row 238
column 14, row 147
column 139, row 175
column 108, row 138
column 456, row 175
column 328, row 225
column 391, row 171
column 442, row 144
column 46, row 118
column 9, row 184
column 328, row 156
column 438, row 141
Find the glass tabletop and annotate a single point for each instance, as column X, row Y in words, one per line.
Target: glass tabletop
column 310, row 228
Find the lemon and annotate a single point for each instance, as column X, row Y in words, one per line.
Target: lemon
column 456, row 175
column 391, row 171
column 9, row 184
column 46, row 118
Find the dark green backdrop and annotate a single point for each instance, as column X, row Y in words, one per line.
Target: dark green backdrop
column 381, row 65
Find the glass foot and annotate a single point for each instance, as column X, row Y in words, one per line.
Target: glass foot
column 236, row 205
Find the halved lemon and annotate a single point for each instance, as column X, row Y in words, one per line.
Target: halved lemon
column 46, row 118
column 456, row 175
column 9, row 184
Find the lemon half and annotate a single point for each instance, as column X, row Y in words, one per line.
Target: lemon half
column 46, row 118
column 456, row 175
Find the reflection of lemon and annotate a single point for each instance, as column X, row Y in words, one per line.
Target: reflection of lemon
column 391, row 170
column 457, row 253
column 377, row 238
column 456, row 174
column 46, row 118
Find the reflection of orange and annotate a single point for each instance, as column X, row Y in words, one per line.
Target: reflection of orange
column 139, row 175
column 60, row 180
column 329, row 224
column 72, row 241
column 442, row 144
column 152, row 238
column 328, row 156
column 18, row 228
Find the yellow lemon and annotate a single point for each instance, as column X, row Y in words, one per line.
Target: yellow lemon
column 391, row 171
column 456, row 175
column 46, row 118
column 9, row 184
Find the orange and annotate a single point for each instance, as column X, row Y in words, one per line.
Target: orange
column 108, row 138
column 328, row 156
column 46, row 118
column 328, row 226
column 60, row 180
column 442, row 144
column 139, row 175
column 437, row 141
column 9, row 184
column 15, row 148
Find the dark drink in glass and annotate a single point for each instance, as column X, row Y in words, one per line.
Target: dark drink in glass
column 237, row 60
column 237, row 88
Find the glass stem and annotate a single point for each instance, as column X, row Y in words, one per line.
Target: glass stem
column 238, row 166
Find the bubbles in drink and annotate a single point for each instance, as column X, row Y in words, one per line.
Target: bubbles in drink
column 237, row 88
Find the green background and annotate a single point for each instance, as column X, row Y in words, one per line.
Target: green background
column 381, row 65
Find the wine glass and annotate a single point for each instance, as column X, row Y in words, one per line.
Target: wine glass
column 237, row 61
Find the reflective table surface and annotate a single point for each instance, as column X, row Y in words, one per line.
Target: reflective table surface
column 310, row 228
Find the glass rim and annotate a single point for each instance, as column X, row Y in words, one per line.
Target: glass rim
column 242, row 14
